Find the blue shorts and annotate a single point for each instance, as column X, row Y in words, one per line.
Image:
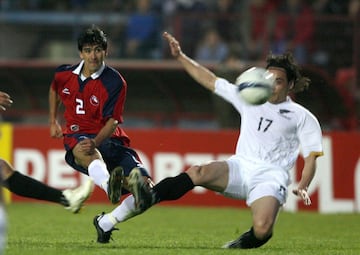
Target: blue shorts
column 114, row 153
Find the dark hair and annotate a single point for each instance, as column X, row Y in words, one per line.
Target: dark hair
column 93, row 35
column 286, row 61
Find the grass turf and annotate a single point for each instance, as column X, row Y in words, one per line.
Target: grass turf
column 38, row 228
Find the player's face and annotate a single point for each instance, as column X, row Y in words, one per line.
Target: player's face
column 281, row 85
column 93, row 56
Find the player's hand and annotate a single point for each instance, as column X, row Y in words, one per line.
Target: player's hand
column 173, row 44
column 56, row 130
column 5, row 101
column 302, row 193
column 87, row 145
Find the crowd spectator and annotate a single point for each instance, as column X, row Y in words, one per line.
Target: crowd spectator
column 257, row 27
column 226, row 13
column 211, row 47
column 294, row 29
column 189, row 22
column 142, row 32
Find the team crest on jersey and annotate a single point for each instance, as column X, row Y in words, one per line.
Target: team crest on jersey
column 285, row 113
column 94, row 100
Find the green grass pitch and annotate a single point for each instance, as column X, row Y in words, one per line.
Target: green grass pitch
column 41, row 228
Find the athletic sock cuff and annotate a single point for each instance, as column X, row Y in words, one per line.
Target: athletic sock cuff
column 173, row 188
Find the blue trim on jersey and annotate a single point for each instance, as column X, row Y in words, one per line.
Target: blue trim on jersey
column 66, row 67
column 111, row 80
column 82, row 83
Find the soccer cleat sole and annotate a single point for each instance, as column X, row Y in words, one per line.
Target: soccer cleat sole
column 140, row 190
column 115, row 184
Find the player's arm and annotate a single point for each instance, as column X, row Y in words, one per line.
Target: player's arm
column 198, row 72
column 106, row 131
column 307, row 175
column 89, row 145
column 54, row 102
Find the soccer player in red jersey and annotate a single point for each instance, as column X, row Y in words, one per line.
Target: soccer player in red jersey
column 93, row 95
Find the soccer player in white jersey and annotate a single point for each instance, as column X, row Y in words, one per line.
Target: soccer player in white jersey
column 271, row 136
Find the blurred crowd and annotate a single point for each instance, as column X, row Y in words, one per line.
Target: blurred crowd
column 231, row 33
column 248, row 28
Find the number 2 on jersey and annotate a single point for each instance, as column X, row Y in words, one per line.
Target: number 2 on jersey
column 264, row 124
column 79, row 106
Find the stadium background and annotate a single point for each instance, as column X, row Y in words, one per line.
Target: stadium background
column 163, row 100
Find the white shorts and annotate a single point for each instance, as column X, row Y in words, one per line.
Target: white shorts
column 250, row 181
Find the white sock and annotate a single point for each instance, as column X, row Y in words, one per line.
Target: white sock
column 125, row 210
column 107, row 222
column 99, row 173
column 120, row 214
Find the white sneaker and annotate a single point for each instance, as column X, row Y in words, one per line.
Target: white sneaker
column 76, row 197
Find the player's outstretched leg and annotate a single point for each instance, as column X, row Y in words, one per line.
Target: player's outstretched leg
column 76, row 197
column 116, row 180
column 143, row 194
column 102, row 236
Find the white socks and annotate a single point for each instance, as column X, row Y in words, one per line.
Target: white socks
column 121, row 213
column 99, row 173
column 107, row 222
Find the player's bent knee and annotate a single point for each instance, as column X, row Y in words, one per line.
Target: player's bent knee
column 195, row 173
column 207, row 176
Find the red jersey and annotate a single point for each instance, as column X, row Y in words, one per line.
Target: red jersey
column 91, row 102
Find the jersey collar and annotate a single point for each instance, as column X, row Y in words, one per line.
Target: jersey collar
column 95, row 75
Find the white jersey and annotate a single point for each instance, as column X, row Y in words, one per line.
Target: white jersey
column 272, row 134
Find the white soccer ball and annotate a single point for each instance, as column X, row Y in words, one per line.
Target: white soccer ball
column 255, row 85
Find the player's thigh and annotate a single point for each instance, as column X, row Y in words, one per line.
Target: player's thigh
column 213, row 175
column 82, row 158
